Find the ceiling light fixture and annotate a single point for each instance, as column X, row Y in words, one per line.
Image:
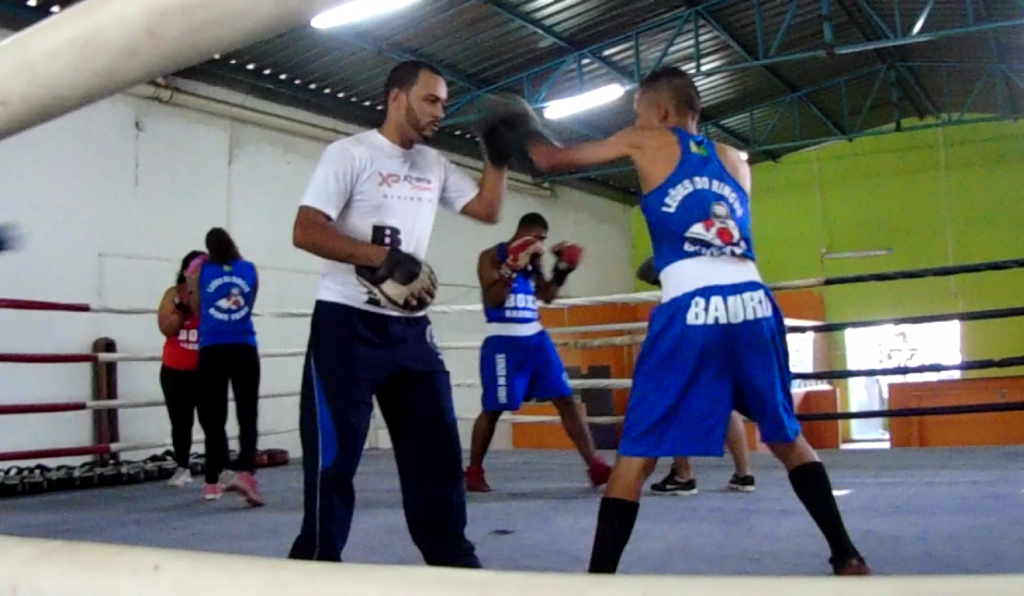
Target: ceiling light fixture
column 355, row 11
column 560, row 108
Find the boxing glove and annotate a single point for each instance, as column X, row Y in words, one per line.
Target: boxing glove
column 181, row 301
column 402, row 282
column 505, row 129
column 567, row 259
column 524, row 251
column 646, row 272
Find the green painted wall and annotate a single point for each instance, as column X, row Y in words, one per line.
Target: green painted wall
column 935, row 197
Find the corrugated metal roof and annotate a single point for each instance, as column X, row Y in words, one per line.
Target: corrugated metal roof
column 773, row 106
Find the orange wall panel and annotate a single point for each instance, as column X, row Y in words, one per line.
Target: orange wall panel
column 539, row 435
column 618, row 359
column 820, row 434
column 996, row 428
column 808, row 305
column 553, row 317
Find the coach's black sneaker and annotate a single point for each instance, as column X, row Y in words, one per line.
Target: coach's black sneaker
column 673, row 485
column 743, row 484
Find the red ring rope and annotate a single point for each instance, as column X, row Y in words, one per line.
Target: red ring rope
column 43, row 408
column 48, row 358
column 58, row 452
column 15, row 304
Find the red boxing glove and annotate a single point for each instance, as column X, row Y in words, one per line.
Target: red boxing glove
column 568, row 257
column 568, row 254
column 520, row 254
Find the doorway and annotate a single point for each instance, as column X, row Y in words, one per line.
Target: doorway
column 887, row 346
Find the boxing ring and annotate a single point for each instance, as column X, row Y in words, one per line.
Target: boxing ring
column 951, row 516
column 938, row 511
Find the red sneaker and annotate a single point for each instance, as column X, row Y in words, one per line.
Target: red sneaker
column 246, row 484
column 475, row 481
column 212, row 492
column 599, row 472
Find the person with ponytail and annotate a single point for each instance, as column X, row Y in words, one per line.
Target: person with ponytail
column 224, row 288
column 179, row 376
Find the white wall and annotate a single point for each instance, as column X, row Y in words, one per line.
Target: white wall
column 111, row 198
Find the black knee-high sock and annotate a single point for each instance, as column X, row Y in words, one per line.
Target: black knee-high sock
column 811, row 483
column 615, row 520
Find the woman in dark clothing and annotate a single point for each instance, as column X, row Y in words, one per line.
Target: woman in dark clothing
column 179, row 376
column 224, row 292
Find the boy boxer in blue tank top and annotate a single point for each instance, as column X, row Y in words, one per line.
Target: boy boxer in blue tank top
column 518, row 361
column 718, row 341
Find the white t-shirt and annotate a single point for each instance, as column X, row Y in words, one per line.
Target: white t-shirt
column 378, row 192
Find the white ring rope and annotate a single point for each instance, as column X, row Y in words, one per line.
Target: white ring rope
column 639, row 326
column 619, row 341
column 632, row 298
column 626, row 340
column 124, row 447
column 38, row 567
column 518, row 418
column 125, row 357
column 545, row 419
column 574, row 383
column 117, row 404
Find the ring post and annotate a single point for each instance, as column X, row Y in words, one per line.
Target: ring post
column 104, row 388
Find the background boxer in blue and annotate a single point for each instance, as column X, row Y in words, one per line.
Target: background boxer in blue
column 717, row 341
column 518, row 361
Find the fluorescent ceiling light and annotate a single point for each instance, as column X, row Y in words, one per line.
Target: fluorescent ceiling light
column 924, row 16
column 356, row 10
column 561, row 108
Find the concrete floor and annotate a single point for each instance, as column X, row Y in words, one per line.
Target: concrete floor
column 920, row 511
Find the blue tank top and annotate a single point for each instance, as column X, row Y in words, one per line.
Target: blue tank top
column 521, row 304
column 699, row 210
column 226, row 293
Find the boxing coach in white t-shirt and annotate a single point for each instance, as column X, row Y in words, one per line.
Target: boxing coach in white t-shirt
column 369, row 212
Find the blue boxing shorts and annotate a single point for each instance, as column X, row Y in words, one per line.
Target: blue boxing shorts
column 514, row 369
column 708, row 352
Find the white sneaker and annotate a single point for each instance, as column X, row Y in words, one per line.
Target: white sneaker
column 182, row 476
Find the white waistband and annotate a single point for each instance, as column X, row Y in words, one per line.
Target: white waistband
column 514, row 329
column 692, row 274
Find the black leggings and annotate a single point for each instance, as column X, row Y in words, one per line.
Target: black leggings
column 181, row 394
column 239, row 365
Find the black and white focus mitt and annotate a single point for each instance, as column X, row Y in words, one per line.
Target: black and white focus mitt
column 401, row 282
column 646, row 272
column 508, row 125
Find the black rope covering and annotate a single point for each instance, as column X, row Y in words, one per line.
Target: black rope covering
column 909, row 370
column 913, row 412
column 943, row 271
column 977, row 315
